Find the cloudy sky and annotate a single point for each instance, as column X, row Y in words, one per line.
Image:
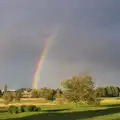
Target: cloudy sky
column 87, row 40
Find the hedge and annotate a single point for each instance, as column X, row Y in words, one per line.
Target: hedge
column 24, row 108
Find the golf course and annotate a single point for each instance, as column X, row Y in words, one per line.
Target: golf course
column 59, row 59
column 109, row 109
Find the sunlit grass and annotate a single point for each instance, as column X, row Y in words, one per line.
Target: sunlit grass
column 106, row 111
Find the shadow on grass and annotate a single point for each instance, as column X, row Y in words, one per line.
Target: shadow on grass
column 55, row 110
column 3, row 110
column 70, row 115
column 114, row 105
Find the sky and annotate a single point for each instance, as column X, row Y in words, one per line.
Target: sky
column 87, row 40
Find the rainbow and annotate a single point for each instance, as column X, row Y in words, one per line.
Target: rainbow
column 41, row 61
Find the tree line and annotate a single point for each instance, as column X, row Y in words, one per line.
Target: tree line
column 108, row 91
column 78, row 88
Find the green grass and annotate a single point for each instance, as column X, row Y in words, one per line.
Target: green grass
column 29, row 101
column 106, row 111
column 34, row 101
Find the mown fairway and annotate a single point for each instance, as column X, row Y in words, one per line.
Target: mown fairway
column 108, row 110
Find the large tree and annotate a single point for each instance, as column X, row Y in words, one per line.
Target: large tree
column 47, row 93
column 79, row 88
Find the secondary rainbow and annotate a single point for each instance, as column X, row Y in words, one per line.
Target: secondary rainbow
column 36, row 77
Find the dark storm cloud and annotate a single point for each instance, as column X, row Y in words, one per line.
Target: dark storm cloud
column 87, row 40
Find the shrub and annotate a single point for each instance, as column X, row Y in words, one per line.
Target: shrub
column 13, row 109
column 51, row 98
column 25, row 108
column 37, row 109
column 34, row 108
column 30, row 108
column 18, row 109
column 21, row 109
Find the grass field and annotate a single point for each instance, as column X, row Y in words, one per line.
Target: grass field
column 108, row 110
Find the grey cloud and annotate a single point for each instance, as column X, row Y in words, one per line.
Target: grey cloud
column 87, row 40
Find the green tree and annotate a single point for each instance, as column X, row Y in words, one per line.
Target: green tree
column 35, row 93
column 52, row 95
column 115, row 91
column 47, row 93
column 59, row 93
column 80, row 88
column 109, row 91
column 100, row 92
column 8, row 97
column 18, row 96
column 60, row 96
column 5, row 88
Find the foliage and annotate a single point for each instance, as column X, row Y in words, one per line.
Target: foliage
column 5, row 88
column 24, row 89
column 47, row 93
column 21, row 108
column 24, row 108
column 106, row 111
column 79, row 88
column 100, row 92
column 38, row 109
column 108, row 91
column 8, row 97
column 1, row 94
column 18, row 96
column 52, row 95
column 34, row 94
column 29, row 108
column 59, row 93
column 60, row 97
column 13, row 109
